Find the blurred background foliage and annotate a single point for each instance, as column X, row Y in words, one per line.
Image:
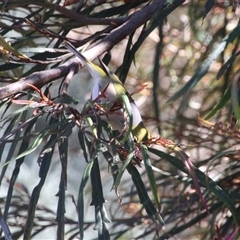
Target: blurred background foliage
column 187, row 53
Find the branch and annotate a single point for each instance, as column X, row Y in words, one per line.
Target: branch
column 38, row 79
column 41, row 78
column 118, row 34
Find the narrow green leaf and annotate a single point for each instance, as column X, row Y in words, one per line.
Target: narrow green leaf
column 111, row 135
column 150, row 175
column 208, row 6
column 97, row 191
column 23, row 147
column 15, row 138
column 81, row 196
column 38, row 140
column 63, row 130
column 191, row 222
column 7, row 132
column 227, row 64
column 206, row 64
column 45, row 162
column 66, row 99
column 122, row 169
column 101, row 226
column 143, row 196
column 81, row 192
column 85, row 144
column 13, row 145
column 113, row 166
column 6, row 103
column 4, row 227
column 15, row 113
column 92, row 126
column 11, row 49
column 123, row 70
column 60, row 219
column 235, row 98
column 9, row 66
column 104, row 215
column 223, row 100
column 63, row 153
column 204, row 180
column 98, row 200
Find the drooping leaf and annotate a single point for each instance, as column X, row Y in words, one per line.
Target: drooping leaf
column 206, row 64
column 85, row 144
column 98, row 200
column 151, row 178
column 15, row 173
column 4, row 227
column 235, row 96
column 63, row 152
column 97, row 192
column 9, row 49
column 208, row 7
column 226, row 64
column 143, row 195
column 122, row 169
column 84, row 180
column 204, row 180
column 222, row 102
column 81, row 196
column 13, row 147
column 45, row 162
column 39, row 140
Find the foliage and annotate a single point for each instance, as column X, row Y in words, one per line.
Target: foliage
column 198, row 48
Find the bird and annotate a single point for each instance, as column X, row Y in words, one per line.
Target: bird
column 108, row 84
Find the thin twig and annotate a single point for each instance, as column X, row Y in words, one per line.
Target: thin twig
column 67, row 12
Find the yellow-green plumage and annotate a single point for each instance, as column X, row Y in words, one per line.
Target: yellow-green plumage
column 106, row 81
